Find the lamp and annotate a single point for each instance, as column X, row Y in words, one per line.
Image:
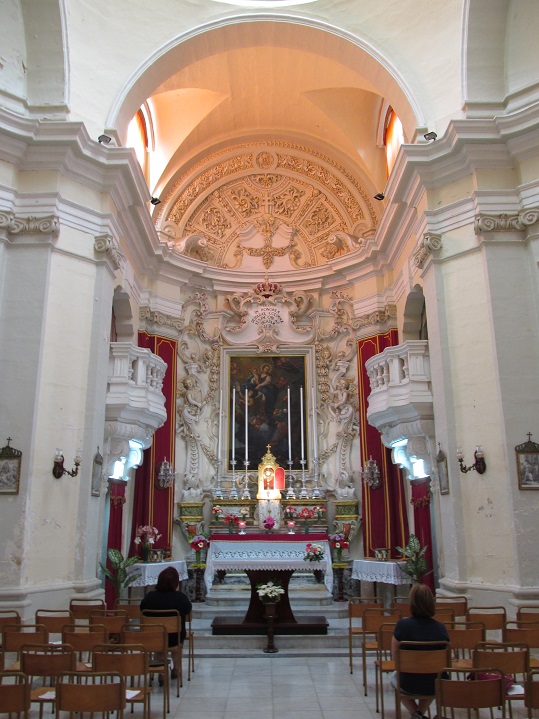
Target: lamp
column 430, row 136
column 379, row 196
column 371, row 474
column 104, row 139
column 479, row 465
column 58, row 468
column 155, row 201
column 165, row 475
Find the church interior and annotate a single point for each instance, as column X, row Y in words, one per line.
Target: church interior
column 269, row 268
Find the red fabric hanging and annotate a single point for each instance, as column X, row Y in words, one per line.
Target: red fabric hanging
column 114, row 539
column 422, row 523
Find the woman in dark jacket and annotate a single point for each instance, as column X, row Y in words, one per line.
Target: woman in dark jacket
column 166, row 596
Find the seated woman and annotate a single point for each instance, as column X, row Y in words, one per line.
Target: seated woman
column 420, row 627
column 166, row 596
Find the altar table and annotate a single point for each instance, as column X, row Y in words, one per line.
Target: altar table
column 267, row 558
column 149, row 571
column 372, row 570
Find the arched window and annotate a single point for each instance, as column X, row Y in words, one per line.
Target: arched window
column 137, row 138
column 393, row 138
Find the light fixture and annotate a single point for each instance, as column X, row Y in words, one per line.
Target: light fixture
column 155, row 201
column 165, row 475
column 430, row 136
column 58, row 469
column 104, row 139
column 479, row 465
column 371, row 474
column 379, row 196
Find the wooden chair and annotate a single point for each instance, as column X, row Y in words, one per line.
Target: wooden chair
column 112, row 619
column 131, row 606
column 454, row 693
column 190, row 638
column 528, row 613
column 402, row 605
column 14, row 636
column 419, row 658
column 444, row 615
column 172, row 621
column 383, row 664
column 46, row 662
column 464, row 637
column 458, row 603
column 493, row 618
column 356, row 608
column 523, row 633
column 510, row 658
column 8, row 616
column 54, row 620
column 131, row 661
column 90, row 692
column 372, row 621
column 531, row 698
column 154, row 639
column 83, row 608
column 15, row 694
column 83, row 640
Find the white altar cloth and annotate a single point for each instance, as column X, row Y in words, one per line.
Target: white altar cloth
column 371, row 570
column 149, row 571
column 275, row 554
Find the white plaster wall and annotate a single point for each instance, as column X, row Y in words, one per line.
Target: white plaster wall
column 521, row 49
column 12, row 52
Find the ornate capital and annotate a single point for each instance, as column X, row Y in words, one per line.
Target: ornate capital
column 380, row 317
column 105, row 244
column 504, row 222
column 31, row 225
column 430, row 243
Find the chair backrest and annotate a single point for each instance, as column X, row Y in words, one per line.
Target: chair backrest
column 54, row 620
column 358, row 605
column 528, row 613
column 15, row 635
column 422, row 657
column 91, row 692
column 465, row 635
column 459, row 604
column 82, row 608
column 169, row 618
column 131, row 606
column 8, row 616
column 373, row 620
column 153, row 637
column 384, row 640
column 15, row 690
column 523, row 632
column 47, row 661
column 492, row 617
column 455, row 693
column 444, row 614
column 531, row 695
column 511, row 658
column 113, row 619
column 402, row 605
column 129, row 660
column 84, row 639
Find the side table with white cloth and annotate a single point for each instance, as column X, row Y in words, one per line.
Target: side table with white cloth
column 373, row 570
column 150, row 571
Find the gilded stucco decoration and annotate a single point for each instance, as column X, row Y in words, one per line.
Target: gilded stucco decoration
column 269, row 206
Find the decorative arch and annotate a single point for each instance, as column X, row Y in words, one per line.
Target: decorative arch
column 414, row 325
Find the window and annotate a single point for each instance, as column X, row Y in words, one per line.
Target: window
column 393, row 138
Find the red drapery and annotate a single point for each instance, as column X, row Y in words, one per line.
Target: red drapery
column 114, row 539
column 385, row 520
column 421, row 503
column 152, row 505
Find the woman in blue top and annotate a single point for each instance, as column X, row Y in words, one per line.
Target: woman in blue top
column 420, row 627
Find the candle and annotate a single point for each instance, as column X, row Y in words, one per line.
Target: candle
column 290, row 527
column 220, row 423
column 246, row 425
column 233, row 424
column 301, row 420
column 315, row 448
column 289, row 430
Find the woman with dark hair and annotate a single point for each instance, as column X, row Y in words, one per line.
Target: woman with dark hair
column 166, row 596
column 420, row 627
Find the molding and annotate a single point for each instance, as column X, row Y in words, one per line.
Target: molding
column 161, row 320
column 29, row 225
column 431, row 242
column 106, row 245
column 506, row 223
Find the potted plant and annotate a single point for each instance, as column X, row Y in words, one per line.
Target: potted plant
column 415, row 565
column 117, row 573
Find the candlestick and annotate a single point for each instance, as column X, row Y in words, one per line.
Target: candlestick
column 289, row 429
column 291, row 527
column 301, row 420
column 315, row 448
column 242, row 527
column 246, row 425
column 233, row 425
column 220, row 423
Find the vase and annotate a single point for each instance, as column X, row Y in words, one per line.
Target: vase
column 307, row 528
column 231, row 528
column 197, row 557
column 145, row 552
column 339, row 556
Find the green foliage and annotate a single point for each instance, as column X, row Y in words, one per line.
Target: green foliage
column 118, row 572
column 416, row 565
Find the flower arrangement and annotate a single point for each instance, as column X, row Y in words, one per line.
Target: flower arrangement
column 146, row 536
column 244, row 512
column 313, row 553
column 290, row 513
column 217, row 511
column 231, row 520
column 198, row 543
column 339, row 542
column 269, row 523
column 269, row 593
column 306, row 514
column 319, row 511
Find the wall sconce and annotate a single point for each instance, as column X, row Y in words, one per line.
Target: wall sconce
column 371, row 474
column 104, row 139
column 155, row 201
column 165, row 475
column 430, row 136
column 379, row 196
column 58, row 469
column 479, row 465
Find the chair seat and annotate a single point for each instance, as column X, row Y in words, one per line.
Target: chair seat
column 84, row 666
column 461, row 665
column 371, row 646
column 534, row 663
column 386, row 665
column 43, row 694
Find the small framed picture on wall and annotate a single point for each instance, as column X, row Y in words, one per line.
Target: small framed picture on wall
column 443, row 476
column 527, row 455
